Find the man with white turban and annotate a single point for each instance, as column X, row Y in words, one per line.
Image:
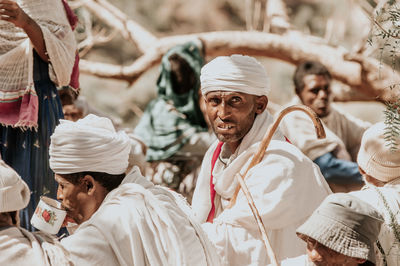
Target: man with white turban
column 286, row 186
column 123, row 219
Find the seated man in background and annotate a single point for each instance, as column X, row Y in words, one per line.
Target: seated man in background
column 173, row 126
column 17, row 245
column 380, row 167
column 336, row 154
column 123, row 219
column 341, row 231
column 286, row 185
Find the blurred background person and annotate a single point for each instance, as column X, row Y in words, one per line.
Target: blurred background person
column 173, row 126
column 336, row 154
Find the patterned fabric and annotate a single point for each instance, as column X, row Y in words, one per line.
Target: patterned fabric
column 27, row 150
column 18, row 100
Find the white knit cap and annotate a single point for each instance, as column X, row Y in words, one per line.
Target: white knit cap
column 239, row 73
column 375, row 156
column 89, row 144
column 14, row 192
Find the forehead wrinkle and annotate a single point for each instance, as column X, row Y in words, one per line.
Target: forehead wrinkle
column 225, row 93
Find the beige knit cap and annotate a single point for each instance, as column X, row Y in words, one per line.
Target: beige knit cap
column 14, row 192
column 375, row 156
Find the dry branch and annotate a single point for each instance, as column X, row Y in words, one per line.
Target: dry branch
column 116, row 19
column 366, row 75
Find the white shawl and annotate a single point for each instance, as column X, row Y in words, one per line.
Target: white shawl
column 16, row 59
column 20, row 247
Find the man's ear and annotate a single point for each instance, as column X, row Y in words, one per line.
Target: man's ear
column 89, row 184
column 261, row 104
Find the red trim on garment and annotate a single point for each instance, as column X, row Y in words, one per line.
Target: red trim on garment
column 214, row 159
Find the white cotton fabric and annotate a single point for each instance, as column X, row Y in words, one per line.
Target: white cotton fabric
column 286, row 187
column 16, row 68
column 302, row 260
column 89, row 144
column 389, row 208
column 141, row 224
column 239, row 73
column 14, row 192
column 20, row 247
column 343, row 131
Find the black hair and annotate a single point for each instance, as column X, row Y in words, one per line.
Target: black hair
column 108, row 181
column 308, row 68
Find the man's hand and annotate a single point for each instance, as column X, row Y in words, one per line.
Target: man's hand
column 10, row 11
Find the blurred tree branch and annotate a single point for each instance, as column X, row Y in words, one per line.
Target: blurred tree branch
column 371, row 79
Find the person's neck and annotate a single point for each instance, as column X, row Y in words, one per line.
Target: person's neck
column 233, row 146
column 6, row 221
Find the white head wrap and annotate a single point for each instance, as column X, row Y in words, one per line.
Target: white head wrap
column 238, row 73
column 89, row 144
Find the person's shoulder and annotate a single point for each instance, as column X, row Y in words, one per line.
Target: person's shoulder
column 284, row 149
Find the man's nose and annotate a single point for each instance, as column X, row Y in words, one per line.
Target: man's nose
column 59, row 193
column 224, row 111
column 323, row 94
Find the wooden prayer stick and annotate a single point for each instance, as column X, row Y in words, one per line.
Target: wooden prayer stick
column 258, row 157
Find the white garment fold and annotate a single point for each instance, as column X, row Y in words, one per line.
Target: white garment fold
column 20, row 247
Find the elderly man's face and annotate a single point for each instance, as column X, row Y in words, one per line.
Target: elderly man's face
column 320, row 255
column 232, row 114
column 80, row 200
column 316, row 94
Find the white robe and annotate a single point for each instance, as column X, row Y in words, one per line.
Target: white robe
column 286, row 187
column 140, row 224
column 20, row 247
column 342, row 130
column 391, row 193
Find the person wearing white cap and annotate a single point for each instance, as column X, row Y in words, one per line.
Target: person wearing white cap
column 17, row 245
column 286, row 185
column 380, row 167
column 123, row 219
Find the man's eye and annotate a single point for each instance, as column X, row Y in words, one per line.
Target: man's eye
column 214, row 101
column 315, row 91
column 236, row 99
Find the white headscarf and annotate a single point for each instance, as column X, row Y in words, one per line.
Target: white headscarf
column 238, row 73
column 89, row 144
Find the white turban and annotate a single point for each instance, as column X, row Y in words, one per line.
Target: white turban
column 89, row 144
column 238, row 73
